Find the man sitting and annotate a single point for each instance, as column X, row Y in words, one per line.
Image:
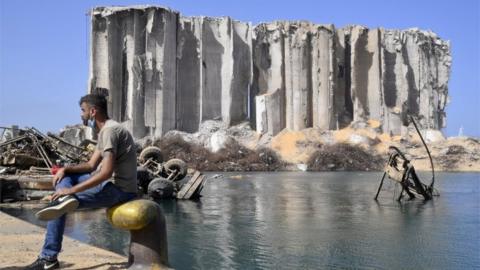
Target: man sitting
column 108, row 178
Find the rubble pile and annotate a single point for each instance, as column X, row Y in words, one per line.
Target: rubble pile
column 359, row 146
column 344, row 157
column 451, row 154
column 231, row 157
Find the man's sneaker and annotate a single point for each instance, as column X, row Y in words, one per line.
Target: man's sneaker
column 43, row 264
column 57, row 208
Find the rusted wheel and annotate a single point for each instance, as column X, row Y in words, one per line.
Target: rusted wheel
column 175, row 169
column 151, row 152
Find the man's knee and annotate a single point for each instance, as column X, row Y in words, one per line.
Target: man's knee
column 65, row 182
column 71, row 179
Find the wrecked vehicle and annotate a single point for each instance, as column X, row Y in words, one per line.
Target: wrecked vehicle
column 400, row 170
column 164, row 180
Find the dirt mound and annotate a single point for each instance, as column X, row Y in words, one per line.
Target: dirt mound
column 344, row 157
column 234, row 157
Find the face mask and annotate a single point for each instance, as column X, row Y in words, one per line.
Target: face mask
column 91, row 123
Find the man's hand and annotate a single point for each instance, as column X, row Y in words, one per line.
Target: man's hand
column 58, row 176
column 62, row 192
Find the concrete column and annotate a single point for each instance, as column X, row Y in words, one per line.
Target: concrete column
column 269, row 71
column 160, row 70
column 374, row 87
column 298, row 74
column 99, row 76
column 361, row 62
column 226, row 38
column 134, row 51
column 411, row 58
column 216, row 46
column 417, row 50
column 242, row 72
column 342, row 95
column 189, row 73
column 323, row 108
column 444, row 61
column 425, row 79
column 394, row 82
column 106, row 63
column 115, row 68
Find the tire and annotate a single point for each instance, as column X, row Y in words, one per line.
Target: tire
column 160, row 188
column 143, row 179
column 151, row 152
column 177, row 165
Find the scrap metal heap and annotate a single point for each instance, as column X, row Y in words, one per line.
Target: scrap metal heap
column 28, row 158
column 30, row 147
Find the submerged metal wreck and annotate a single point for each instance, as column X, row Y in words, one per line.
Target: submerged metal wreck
column 401, row 170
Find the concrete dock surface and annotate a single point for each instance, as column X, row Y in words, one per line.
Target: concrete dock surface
column 22, row 242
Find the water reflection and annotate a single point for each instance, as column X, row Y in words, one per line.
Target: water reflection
column 92, row 227
column 311, row 220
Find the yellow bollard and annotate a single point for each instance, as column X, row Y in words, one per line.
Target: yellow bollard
column 148, row 234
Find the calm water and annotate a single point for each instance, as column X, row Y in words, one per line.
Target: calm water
column 310, row 221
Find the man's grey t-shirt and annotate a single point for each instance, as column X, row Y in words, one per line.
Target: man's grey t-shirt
column 114, row 138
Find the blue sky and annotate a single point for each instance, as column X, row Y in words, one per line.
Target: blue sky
column 44, row 48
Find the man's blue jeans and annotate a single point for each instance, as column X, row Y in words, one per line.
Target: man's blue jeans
column 105, row 194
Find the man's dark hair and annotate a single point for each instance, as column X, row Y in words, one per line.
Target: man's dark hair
column 97, row 101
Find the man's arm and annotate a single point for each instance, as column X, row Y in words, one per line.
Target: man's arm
column 105, row 173
column 86, row 167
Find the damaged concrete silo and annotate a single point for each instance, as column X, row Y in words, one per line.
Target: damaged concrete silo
column 165, row 71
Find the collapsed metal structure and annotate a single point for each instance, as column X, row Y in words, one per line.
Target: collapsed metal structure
column 400, row 170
